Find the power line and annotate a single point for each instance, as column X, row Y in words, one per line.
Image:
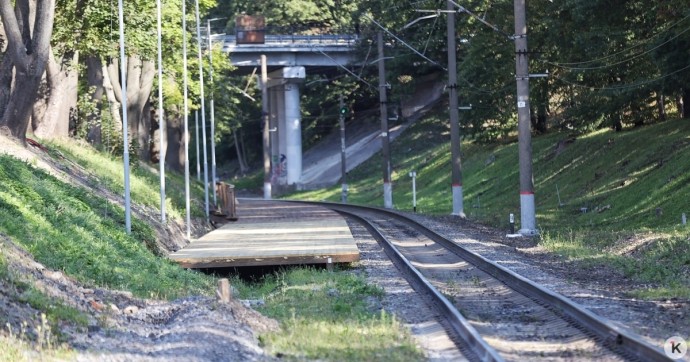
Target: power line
column 345, row 68
column 621, row 61
column 625, row 86
column 433, row 29
column 480, row 19
column 404, row 43
column 624, row 50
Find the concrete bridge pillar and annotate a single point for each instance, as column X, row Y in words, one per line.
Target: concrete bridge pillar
column 282, row 141
column 293, row 133
column 287, row 135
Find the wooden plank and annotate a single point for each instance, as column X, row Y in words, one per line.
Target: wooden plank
column 273, row 233
column 222, row 263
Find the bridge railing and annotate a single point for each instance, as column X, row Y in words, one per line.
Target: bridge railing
column 295, row 39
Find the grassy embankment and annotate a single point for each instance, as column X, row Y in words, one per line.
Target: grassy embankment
column 325, row 316
column 70, row 228
column 634, row 185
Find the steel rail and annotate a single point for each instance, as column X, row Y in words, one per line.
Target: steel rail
column 460, row 325
column 628, row 342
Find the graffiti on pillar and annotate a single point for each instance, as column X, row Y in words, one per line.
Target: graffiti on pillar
column 280, row 168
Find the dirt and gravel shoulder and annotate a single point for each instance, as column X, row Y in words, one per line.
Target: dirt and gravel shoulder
column 122, row 327
column 119, row 326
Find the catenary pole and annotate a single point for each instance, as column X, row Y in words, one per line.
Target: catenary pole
column 527, row 206
column 212, row 110
column 203, row 110
column 343, row 156
column 456, row 173
column 385, row 144
column 161, row 119
column 198, row 149
column 125, row 141
column 266, row 131
column 186, row 121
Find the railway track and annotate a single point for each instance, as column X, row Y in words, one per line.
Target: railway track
column 497, row 314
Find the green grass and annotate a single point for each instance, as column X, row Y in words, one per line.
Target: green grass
column 54, row 310
column 253, row 181
column 16, row 349
column 630, row 182
column 68, row 228
column 324, row 316
column 4, row 267
column 144, row 183
column 45, row 333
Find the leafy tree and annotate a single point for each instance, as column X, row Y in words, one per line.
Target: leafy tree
column 24, row 60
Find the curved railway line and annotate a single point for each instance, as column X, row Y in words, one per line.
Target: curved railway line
column 494, row 314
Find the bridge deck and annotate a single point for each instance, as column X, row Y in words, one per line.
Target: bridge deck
column 273, row 233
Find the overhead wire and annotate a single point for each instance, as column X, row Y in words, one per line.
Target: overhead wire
column 625, row 86
column 345, row 68
column 405, row 43
column 643, row 42
column 481, row 19
column 621, row 61
column 433, row 29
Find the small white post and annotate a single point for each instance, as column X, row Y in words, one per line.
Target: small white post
column 683, row 219
column 413, row 174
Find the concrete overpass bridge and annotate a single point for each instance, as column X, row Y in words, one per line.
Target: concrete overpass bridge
column 289, row 58
column 291, row 50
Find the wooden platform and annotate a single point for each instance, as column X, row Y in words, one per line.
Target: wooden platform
column 273, row 233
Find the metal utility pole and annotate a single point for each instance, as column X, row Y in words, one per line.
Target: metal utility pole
column 456, row 174
column 213, row 118
column 385, row 146
column 343, row 166
column 161, row 118
column 527, row 208
column 186, row 121
column 266, row 131
column 203, row 110
column 198, row 152
column 125, row 153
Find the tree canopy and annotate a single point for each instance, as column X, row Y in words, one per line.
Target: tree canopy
column 609, row 63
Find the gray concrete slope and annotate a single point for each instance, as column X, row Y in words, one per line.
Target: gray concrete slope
column 321, row 163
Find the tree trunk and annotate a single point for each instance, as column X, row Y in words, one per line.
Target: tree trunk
column 240, row 155
column 617, row 123
column 542, row 118
column 661, row 106
column 29, row 51
column 155, row 136
column 679, row 104
column 140, row 76
column 18, row 113
column 94, row 79
column 62, row 82
column 638, row 114
column 6, row 71
column 114, row 94
column 243, row 148
column 174, row 157
column 146, row 129
column 685, row 109
column 38, row 111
